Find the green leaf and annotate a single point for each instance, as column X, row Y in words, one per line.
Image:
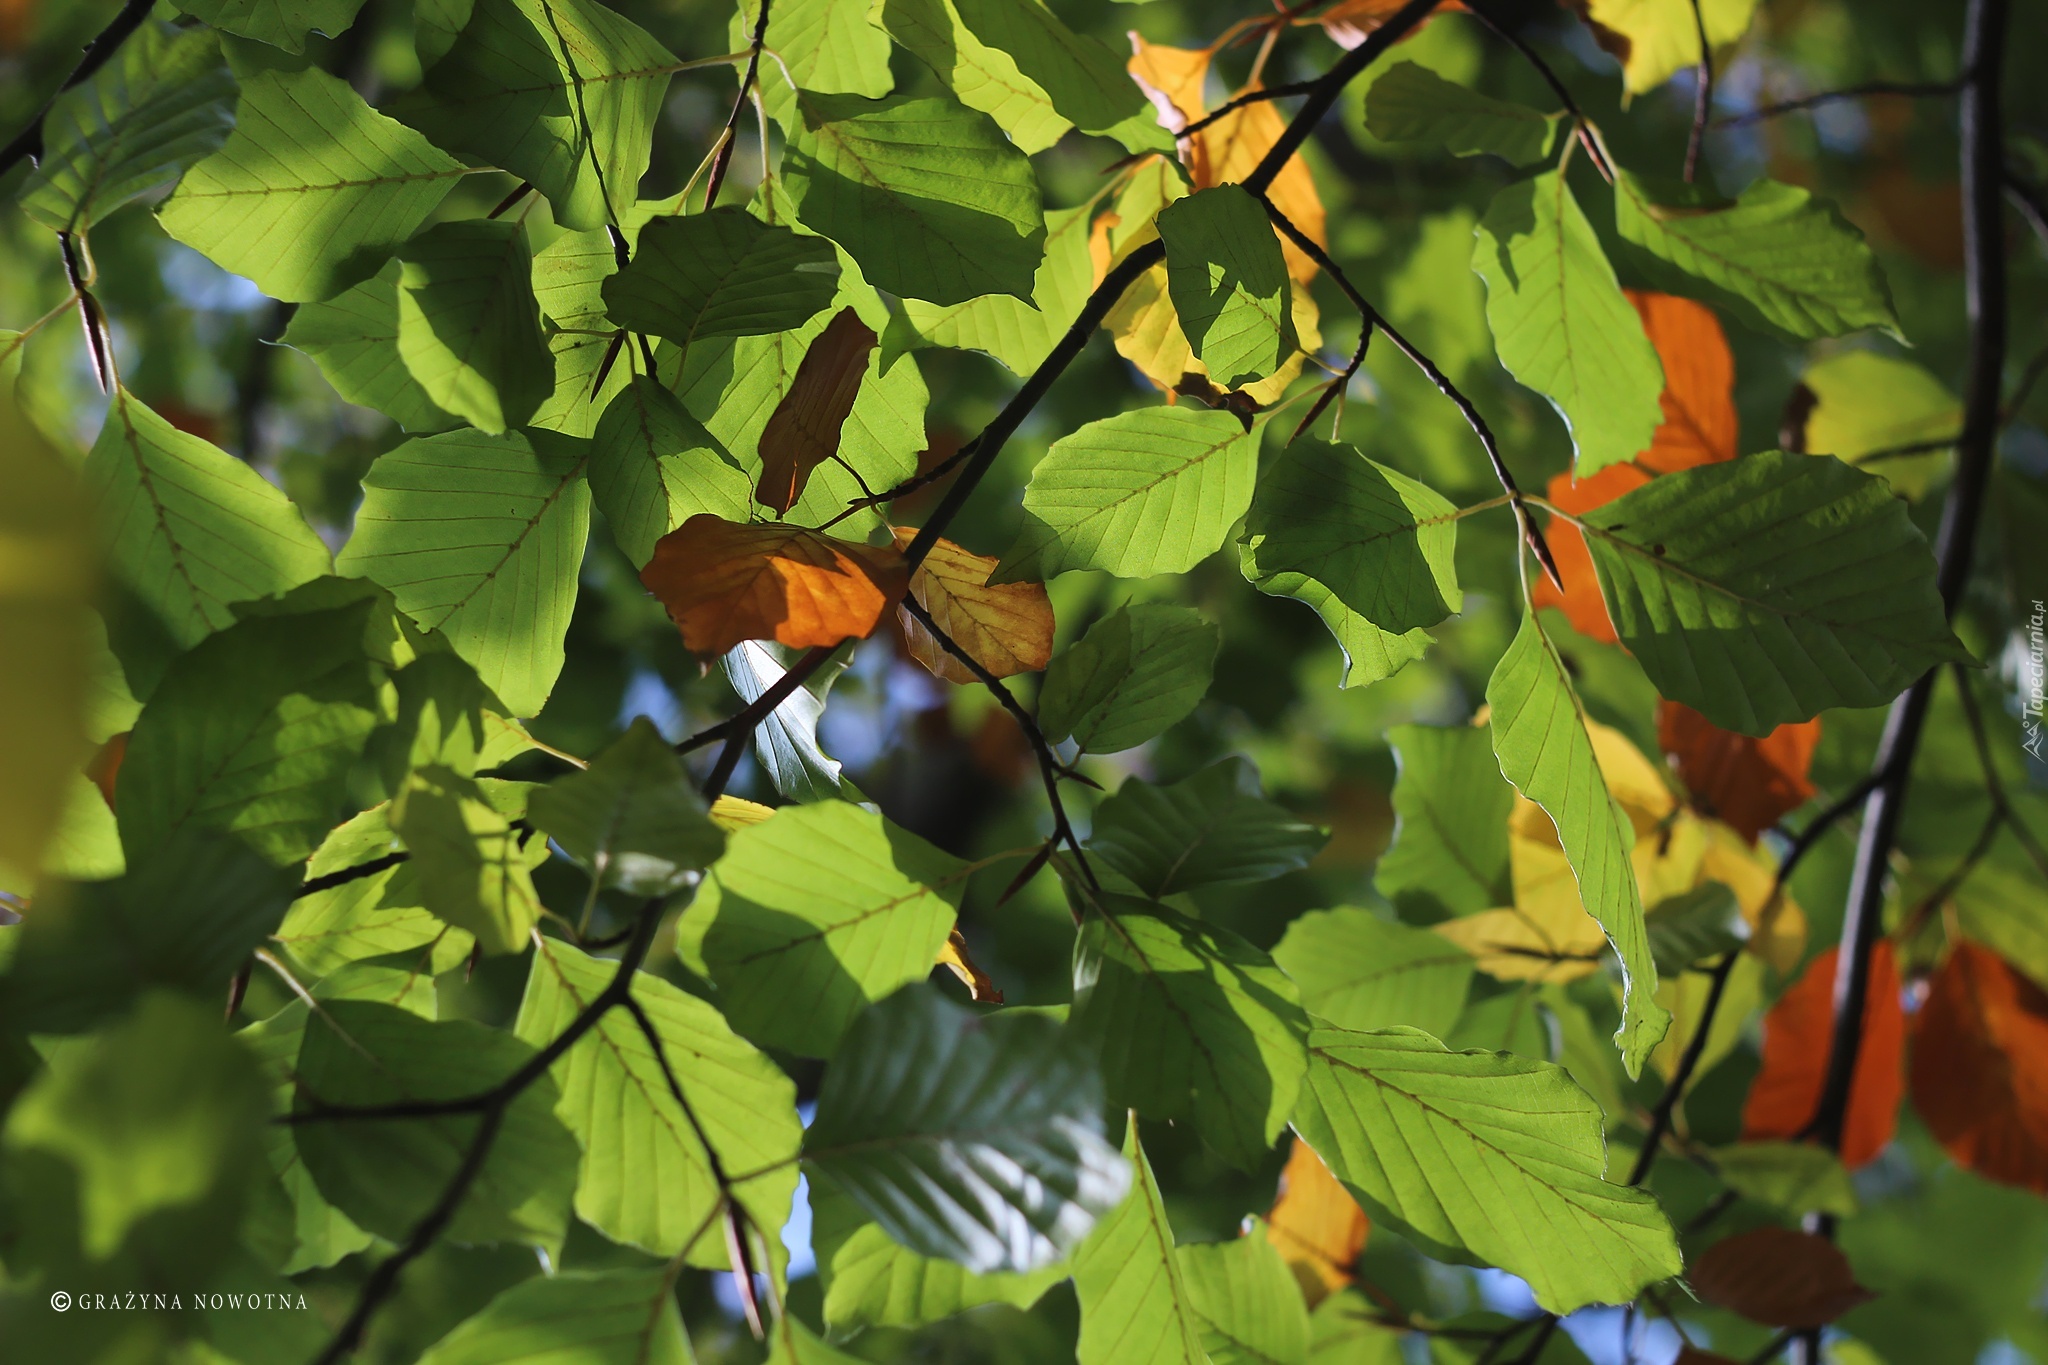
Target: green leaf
column 1345, row 1329
column 721, row 274
column 1136, row 673
column 1146, row 492
column 1693, row 926
column 1482, row 1157
column 1370, row 654
column 871, row 1280
column 1770, row 588
column 1864, row 403
column 791, row 1343
column 280, row 23
column 1539, row 735
column 387, row 1173
column 561, row 93
column 1135, row 1307
column 157, row 1119
column 1411, row 103
column 190, row 528
column 164, row 101
column 372, row 916
column 826, row 46
column 1018, row 334
column 1795, row 1178
column 186, row 916
column 1085, row 81
column 1451, row 808
column 973, row 1137
column 614, row 1317
column 1249, row 1306
column 632, row 817
column 1193, row 1024
column 647, row 1179
column 1213, row 827
column 475, row 869
column 1228, row 282
column 653, row 466
column 811, row 915
column 446, row 716
column 1561, row 323
column 786, row 742
column 1777, row 258
column 927, row 194
column 980, row 77
column 312, row 191
column 353, row 338
column 1360, row 971
column 253, row 731
column 480, row 537
column 468, row 326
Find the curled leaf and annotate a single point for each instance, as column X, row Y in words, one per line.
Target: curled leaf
column 1778, row 1277
column 803, row 431
column 723, row 582
column 1007, row 627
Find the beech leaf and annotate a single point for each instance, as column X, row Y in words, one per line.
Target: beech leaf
column 723, row 582
column 803, row 431
column 1007, row 627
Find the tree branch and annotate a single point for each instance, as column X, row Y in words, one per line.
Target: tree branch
column 722, row 157
column 1580, row 123
column 1703, row 96
column 1870, row 89
column 29, row 141
column 1271, row 92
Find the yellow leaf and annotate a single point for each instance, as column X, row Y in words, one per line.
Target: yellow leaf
column 954, row 958
column 1777, row 934
column 1653, row 39
column 1007, row 627
column 1316, row 1225
column 1171, row 78
column 735, row 813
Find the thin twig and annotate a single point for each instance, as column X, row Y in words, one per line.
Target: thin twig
column 1580, row 123
column 729, row 138
column 313, row 886
column 29, row 141
column 1271, row 92
column 1703, row 96
column 1868, row 90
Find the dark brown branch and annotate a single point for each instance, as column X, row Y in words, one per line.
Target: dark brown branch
column 1271, row 92
column 729, row 138
column 1580, row 123
column 1703, row 97
column 1868, row 90
column 29, row 141
column 313, row 886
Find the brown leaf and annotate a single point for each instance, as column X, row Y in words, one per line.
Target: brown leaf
column 1316, row 1224
column 1778, row 1277
column 1006, row 627
column 1785, row 1093
column 1699, row 424
column 1351, row 22
column 803, row 431
column 724, row 582
column 1980, row 1067
column 105, row 767
column 1746, row 782
column 953, row 957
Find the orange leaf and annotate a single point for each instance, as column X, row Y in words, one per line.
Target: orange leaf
column 1980, row 1067
column 1747, row 782
column 803, row 431
column 105, row 767
column 1786, row 1091
column 1778, row 1277
column 954, row 958
column 1581, row 598
column 724, row 582
column 1316, row 1224
column 1007, row 627
column 1699, row 424
column 1171, row 78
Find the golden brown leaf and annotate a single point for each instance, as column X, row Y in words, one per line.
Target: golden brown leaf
column 105, row 767
column 1171, row 78
column 803, row 431
column 1786, row 1092
column 1316, row 1224
column 954, row 958
column 1699, row 424
column 1778, row 1277
column 1980, row 1067
column 1745, row 781
column 1006, row 627
column 724, row 582
column 1581, row 600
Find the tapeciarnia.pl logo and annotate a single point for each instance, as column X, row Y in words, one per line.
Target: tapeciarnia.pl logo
column 2030, row 706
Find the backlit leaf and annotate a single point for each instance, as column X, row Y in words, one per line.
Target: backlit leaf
column 1539, row 735
column 1006, row 627
column 1980, row 1067
column 1450, row 850
column 980, row 77
column 1215, row 826
column 632, row 817
column 927, row 194
column 1363, row 972
column 1786, row 1092
column 1580, row 600
column 1135, row 1307
column 1135, row 673
column 1410, row 103
column 475, row 869
column 1482, row 1156
column 1655, row 38
column 971, row 1136
column 1561, row 324
column 1750, row 783
column 724, row 582
column 613, row 1317
column 720, row 274
column 1079, row 74
column 313, row 189
column 480, row 537
column 370, row 916
column 1864, row 403
column 1766, row 589
column 653, row 466
column 1251, row 1311
column 468, row 326
column 804, row 430
column 1192, row 1023
column 1793, row 1177
column 1315, row 1224
column 1777, row 258
column 1228, row 282
column 353, row 338
column 1017, row 333
column 1700, row 422
column 830, row 896
column 1146, row 492
column 1777, row 1277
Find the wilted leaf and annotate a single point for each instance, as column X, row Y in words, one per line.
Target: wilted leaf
column 1700, row 424
column 1750, row 783
column 1007, row 627
column 724, row 582
column 1786, row 1092
column 803, row 431
column 1778, row 1277
column 1316, row 1224
column 1980, row 1067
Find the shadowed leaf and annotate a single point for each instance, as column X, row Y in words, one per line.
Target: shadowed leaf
column 804, row 430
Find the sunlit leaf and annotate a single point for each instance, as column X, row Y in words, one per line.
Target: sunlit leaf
column 1410, row 103
column 1250, row 1310
column 1315, row 1224
column 653, row 466
column 786, row 742
column 382, row 913
column 1006, row 627
column 353, row 338
column 1786, row 1092
column 720, row 274
column 1980, row 1060
column 632, row 817
column 980, row 77
column 1017, row 333
column 1745, row 781
column 1450, row 849
column 613, row 1317
column 468, row 326
column 1653, row 39
column 1228, row 282
column 724, row 582
column 1363, row 972
column 475, row 869
column 1864, row 403
column 1135, row 1307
